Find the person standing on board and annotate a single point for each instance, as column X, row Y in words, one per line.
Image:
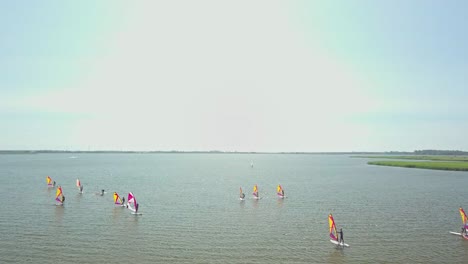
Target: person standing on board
column 341, row 240
column 102, row 192
column 463, row 231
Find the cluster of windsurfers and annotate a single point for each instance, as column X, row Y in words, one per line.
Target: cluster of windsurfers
column 255, row 193
column 60, row 198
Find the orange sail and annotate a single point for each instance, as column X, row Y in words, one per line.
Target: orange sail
column 255, row 191
column 332, row 228
column 463, row 217
column 59, row 195
column 280, row 191
column 117, row 199
column 49, row 181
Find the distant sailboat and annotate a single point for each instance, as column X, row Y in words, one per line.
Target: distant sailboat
column 251, row 164
column 255, row 192
column 280, row 191
column 132, row 204
column 241, row 194
column 334, row 233
column 59, row 198
column 118, row 200
column 49, row 181
column 79, row 186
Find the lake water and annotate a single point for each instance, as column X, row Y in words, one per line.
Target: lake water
column 192, row 214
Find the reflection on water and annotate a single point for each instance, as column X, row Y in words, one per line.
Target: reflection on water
column 336, row 256
column 255, row 203
column 280, row 202
column 59, row 212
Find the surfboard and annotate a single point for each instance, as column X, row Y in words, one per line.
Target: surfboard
column 455, row 233
column 338, row 243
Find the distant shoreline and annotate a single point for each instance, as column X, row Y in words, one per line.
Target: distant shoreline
column 175, row 152
column 382, row 154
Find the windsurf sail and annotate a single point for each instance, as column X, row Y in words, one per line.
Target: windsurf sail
column 241, row 193
column 280, row 191
column 464, row 218
column 132, row 203
column 332, row 228
column 79, row 186
column 59, row 196
column 255, row 191
column 117, row 199
column 50, row 183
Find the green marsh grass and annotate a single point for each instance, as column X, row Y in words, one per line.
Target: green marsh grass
column 435, row 165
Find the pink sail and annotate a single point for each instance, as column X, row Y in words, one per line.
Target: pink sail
column 132, row 203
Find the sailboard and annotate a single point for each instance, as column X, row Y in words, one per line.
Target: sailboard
column 79, row 186
column 132, row 204
column 255, row 192
column 59, row 198
column 50, row 182
column 118, row 200
column 465, row 225
column 334, row 233
column 280, row 191
column 241, row 194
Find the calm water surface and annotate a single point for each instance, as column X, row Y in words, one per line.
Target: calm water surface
column 191, row 211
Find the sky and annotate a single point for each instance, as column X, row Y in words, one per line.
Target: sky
column 266, row 75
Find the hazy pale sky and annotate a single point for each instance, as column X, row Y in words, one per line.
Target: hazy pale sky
column 234, row 75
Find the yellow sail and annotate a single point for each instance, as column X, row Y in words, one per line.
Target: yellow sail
column 463, row 216
column 332, row 228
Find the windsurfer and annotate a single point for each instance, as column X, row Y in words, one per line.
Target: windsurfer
column 81, row 188
column 63, row 199
column 54, row 184
column 242, row 196
column 136, row 207
column 463, row 230
column 341, row 240
column 102, row 192
column 123, row 200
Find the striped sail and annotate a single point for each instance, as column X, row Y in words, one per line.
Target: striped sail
column 255, row 191
column 280, row 191
column 117, row 199
column 50, row 183
column 332, row 228
column 464, row 218
column 132, row 203
column 59, row 195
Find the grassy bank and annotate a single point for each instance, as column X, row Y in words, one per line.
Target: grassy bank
column 452, row 166
column 419, row 157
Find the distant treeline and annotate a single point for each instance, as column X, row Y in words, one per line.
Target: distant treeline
column 440, row 152
column 416, row 152
column 429, row 152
